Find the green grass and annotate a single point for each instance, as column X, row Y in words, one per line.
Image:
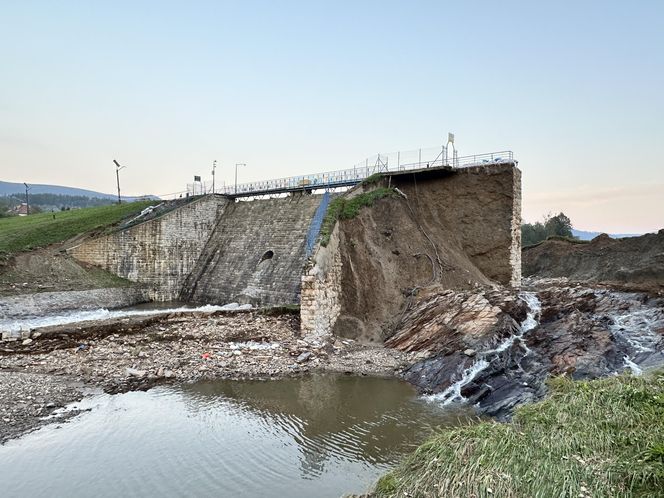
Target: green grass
column 24, row 233
column 342, row 208
column 372, row 179
column 557, row 237
column 602, row 438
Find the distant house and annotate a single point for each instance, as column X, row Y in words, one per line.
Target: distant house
column 21, row 210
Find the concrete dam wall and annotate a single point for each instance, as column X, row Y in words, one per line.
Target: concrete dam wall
column 216, row 250
column 159, row 253
column 255, row 254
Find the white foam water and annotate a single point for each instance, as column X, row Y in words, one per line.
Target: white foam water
column 637, row 328
column 453, row 393
column 629, row 364
column 105, row 314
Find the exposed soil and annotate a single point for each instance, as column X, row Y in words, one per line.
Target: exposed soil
column 51, row 269
column 435, row 235
column 139, row 353
column 634, row 263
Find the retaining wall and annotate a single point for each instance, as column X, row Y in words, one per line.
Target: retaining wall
column 159, row 253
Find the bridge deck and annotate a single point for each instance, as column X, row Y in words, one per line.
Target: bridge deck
column 351, row 177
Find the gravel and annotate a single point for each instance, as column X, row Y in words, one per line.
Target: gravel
column 139, row 353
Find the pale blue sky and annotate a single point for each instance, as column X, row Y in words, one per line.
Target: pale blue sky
column 575, row 89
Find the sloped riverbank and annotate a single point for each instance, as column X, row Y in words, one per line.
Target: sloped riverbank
column 597, row 438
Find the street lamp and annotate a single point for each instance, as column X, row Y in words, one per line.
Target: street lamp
column 214, row 167
column 236, row 165
column 27, row 198
column 117, row 176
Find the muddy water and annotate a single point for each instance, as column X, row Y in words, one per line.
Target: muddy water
column 315, row 436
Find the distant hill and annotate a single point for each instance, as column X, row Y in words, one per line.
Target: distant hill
column 8, row 188
column 583, row 235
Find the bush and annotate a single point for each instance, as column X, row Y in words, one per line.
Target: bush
column 343, row 208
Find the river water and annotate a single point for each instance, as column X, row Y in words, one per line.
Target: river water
column 306, row 437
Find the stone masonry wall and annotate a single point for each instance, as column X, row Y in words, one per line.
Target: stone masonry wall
column 256, row 254
column 159, row 253
column 321, row 286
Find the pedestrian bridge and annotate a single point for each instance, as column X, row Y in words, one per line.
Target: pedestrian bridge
column 379, row 164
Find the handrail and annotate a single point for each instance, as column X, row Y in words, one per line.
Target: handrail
column 351, row 176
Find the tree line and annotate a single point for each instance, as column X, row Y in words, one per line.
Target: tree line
column 559, row 225
column 50, row 202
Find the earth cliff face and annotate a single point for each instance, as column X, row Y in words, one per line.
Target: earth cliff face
column 634, row 263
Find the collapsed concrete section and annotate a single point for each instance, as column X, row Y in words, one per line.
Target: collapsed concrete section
column 455, row 229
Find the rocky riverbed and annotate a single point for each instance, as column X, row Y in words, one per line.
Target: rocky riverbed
column 492, row 348
column 139, row 353
column 495, row 351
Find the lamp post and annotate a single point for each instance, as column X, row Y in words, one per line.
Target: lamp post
column 117, row 176
column 27, row 199
column 236, row 165
column 214, row 167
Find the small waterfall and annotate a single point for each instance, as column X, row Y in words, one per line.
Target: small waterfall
column 635, row 330
column 484, row 358
column 629, row 364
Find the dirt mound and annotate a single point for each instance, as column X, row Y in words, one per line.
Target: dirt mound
column 49, row 269
column 632, row 263
column 386, row 259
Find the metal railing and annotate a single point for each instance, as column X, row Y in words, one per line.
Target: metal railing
column 380, row 163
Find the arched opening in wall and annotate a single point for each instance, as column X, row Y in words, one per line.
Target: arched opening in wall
column 267, row 255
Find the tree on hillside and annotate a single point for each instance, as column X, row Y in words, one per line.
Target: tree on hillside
column 533, row 233
column 559, row 225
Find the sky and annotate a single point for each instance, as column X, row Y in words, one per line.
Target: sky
column 575, row 89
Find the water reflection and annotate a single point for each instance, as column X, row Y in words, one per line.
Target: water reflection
column 314, row 436
column 358, row 419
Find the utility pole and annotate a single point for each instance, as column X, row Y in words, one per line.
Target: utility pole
column 214, row 167
column 236, row 165
column 27, row 198
column 117, row 176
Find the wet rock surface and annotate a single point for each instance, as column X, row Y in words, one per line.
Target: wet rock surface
column 139, row 353
column 26, row 400
column 484, row 350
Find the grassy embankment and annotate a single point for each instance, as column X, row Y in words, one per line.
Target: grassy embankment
column 24, row 233
column 602, row 438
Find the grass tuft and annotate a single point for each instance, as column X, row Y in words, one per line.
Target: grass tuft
column 598, row 438
column 342, row 208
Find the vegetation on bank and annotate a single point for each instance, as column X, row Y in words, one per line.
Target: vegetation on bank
column 24, row 233
column 586, row 439
column 552, row 226
column 343, row 208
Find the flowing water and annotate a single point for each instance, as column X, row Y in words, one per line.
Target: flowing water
column 307, row 437
column 453, row 393
column 146, row 309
